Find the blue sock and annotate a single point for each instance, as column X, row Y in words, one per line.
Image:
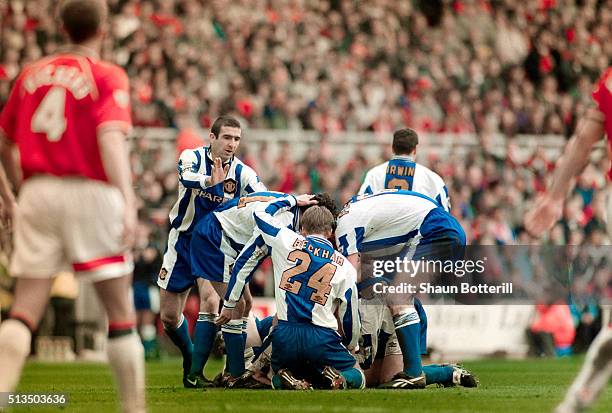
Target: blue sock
column 180, row 337
column 423, row 317
column 203, row 340
column 438, row 374
column 407, row 328
column 234, row 347
column 276, row 382
column 354, row 378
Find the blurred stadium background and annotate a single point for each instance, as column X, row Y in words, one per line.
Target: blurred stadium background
column 494, row 89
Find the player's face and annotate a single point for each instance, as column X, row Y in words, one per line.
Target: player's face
column 225, row 145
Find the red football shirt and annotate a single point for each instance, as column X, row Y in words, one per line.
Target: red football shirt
column 57, row 109
column 603, row 97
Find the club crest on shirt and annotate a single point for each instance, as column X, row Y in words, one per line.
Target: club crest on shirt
column 229, row 186
column 163, row 273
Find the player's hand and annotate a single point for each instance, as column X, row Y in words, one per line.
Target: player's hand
column 545, row 213
column 305, row 199
column 7, row 212
column 219, row 172
column 224, row 317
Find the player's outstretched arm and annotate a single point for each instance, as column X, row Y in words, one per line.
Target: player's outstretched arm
column 549, row 207
column 115, row 158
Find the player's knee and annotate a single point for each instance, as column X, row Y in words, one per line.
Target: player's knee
column 169, row 319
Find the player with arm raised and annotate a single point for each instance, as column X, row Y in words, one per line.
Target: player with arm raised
column 596, row 123
column 67, row 117
column 312, row 282
column 395, row 222
column 208, row 176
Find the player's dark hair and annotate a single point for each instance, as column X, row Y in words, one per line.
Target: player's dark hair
column 317, row 220
column 82, row 18
column 325, row 200
column 404, row 141
column 222, row 121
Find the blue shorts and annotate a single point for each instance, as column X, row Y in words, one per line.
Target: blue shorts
column 175, row 275
column 146, row 296
column 207, row 260
column 443, row 238
column 306, row 349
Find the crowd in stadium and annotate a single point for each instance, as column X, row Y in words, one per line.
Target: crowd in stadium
column 455, row 66
column 465, row 66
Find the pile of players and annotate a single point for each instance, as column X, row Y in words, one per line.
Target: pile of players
column 323, row 335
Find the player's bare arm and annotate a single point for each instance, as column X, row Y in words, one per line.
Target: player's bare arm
column 549, row 207
column 114, row 152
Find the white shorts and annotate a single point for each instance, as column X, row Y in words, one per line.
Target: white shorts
column 376, row 318
column 69, row 224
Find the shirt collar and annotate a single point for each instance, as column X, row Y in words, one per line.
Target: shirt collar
column 404, row 157
column 79, row 50
column 320, row 238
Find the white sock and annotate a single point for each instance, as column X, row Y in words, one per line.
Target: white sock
column 15, row 341
column 126, row 356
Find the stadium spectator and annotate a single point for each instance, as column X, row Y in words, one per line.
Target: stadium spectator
column 522, row 68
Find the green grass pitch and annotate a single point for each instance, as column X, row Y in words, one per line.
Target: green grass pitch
column 506, row 386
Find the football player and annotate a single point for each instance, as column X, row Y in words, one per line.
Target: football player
column 413, row 225
column 313, row 284
column 66, row 119
column 596, row 123
column 381, row 353
column 208, row 176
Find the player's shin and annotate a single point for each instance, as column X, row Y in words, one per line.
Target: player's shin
column 234, row 346
column 126, row 357
column 180, row 337
column 15, row 339
column 407, row 328
column 203, row 340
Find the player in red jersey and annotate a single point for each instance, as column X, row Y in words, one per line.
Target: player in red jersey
column 66, row 119
column 597, row 368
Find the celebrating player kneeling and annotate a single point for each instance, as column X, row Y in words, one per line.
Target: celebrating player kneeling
column 313, row 284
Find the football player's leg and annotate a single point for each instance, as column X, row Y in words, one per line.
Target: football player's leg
column 31, row 297
column 175, row 280
column 125, row 351
column 37, row 256
column 408, row 330
column 248, row 304
column 593, row 376
column 340, row 368
column 205, row 329
column 235, row 338
column 175, row 324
